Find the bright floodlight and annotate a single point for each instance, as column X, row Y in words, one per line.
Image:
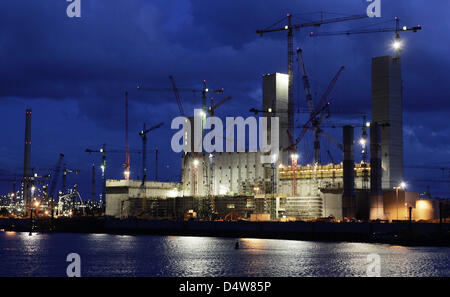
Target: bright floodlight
column 397, row 45
column 195, row 162
column 362, row 141
column 402, row 185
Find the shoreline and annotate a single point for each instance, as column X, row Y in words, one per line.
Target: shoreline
column 405, row 234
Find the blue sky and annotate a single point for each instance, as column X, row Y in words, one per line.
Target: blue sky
column 73, row 73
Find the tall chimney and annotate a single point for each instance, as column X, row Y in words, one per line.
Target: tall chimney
column 27, row 161
column 348, row 196
column 387, row 108
column 376, row 193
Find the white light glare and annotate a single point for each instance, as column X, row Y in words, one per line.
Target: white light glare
column 397, row 45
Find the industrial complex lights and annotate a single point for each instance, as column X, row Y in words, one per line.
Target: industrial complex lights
column 397, row 45
column 403, row 185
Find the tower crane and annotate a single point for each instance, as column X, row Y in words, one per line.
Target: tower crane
column 51, row 193
column 318, row 113
column 397, row 29
column 204, row 91
column 143, row 134
column 103, row 151
column 316, row 118
column 177, row 95
column 290, row 39
column 126, row 172
column 64, row 177
column 103, row 167
column 213, row 106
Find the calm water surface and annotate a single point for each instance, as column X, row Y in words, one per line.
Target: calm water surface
column 119, row 255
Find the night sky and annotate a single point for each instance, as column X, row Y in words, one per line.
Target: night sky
column 73, row 73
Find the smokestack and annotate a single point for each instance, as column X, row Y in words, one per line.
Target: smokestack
column 376, row 193
column 348, row 196
column 27, row 160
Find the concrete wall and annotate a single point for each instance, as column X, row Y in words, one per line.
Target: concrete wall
column 224, row 174
column 426, row 209
column 119, row 193
column 332, row 205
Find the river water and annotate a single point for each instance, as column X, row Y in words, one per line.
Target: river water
column 123, row 255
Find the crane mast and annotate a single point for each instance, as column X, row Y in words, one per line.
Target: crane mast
column 127, row 153
column 305, row 79
column 143, row 134
column 53, row 184
column 177, row 95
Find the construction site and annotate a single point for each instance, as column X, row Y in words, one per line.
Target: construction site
column 238, row 186
column 232, row 186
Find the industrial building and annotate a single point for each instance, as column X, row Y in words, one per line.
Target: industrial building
column 239, row 185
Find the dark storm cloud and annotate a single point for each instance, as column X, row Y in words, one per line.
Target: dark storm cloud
column 115, row 45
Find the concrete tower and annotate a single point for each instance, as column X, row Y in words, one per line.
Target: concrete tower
column 275, row 97
column 348, row 195
column 376, row 193
column 387, row 109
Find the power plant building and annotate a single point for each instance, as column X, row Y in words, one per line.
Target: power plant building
column 221, row 184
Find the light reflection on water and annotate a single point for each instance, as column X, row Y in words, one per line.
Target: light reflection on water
column 123, row 255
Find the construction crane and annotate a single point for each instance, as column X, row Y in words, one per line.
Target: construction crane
column 143, row 134
column 305, row 80
column 290, row 39
column 317, row 119
column 177, row 95
column 317, row 114
column 103, row 166
column 64, row 177
column 51, row 193
column 126, row 172
column 397, row 29
column 213, row 106
column 204, row 91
